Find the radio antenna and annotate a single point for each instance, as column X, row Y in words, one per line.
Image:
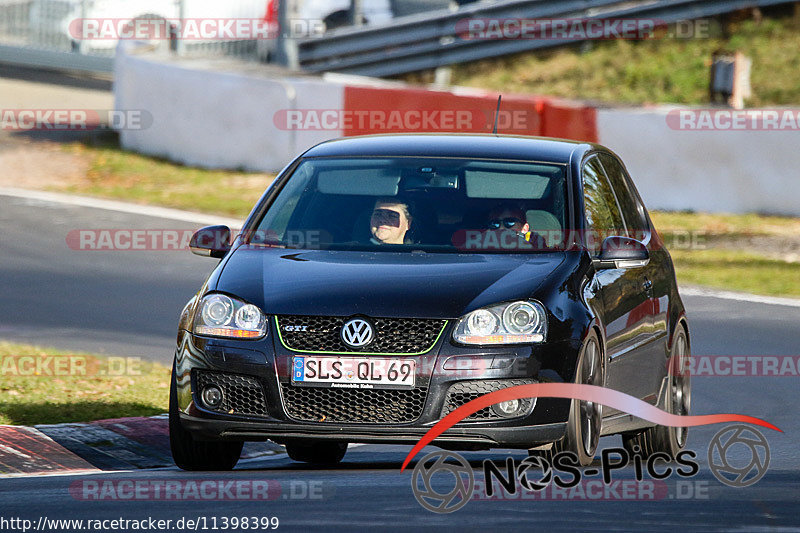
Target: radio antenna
column 497, row 114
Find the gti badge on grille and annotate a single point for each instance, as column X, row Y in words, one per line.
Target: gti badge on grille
column 357, row 333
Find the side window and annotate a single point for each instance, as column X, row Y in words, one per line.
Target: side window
column 602, row 212
column 632, row 212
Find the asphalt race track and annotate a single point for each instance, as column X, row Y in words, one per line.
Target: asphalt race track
column 127, row 302
column 114, row 302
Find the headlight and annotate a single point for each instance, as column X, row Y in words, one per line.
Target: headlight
column 222, row 316
column 510, row 323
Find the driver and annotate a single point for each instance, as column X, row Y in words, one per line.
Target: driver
column 509, row 217
column 390, row 221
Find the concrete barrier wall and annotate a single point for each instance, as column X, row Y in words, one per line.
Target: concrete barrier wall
column 216, row 119
column 222, row 119
column 714, row 171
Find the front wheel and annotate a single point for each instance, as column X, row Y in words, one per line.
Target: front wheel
column 191, row 454
column 663, row 439
column 585, row 418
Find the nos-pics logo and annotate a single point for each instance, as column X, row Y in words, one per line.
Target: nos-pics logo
column 443, row 481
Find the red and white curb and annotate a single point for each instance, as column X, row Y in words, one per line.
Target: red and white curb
column 122, row 444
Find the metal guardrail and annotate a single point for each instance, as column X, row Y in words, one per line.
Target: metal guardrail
column 35, row 33
column 431, row 40
column 55, row 60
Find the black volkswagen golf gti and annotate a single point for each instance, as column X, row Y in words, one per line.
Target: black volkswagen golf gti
column 381, row 282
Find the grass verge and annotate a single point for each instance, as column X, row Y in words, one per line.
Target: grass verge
column 718, row 225
column 122, row 175
column 748, row 253
column 44, row 386
column 737, row 271
column 658, row 70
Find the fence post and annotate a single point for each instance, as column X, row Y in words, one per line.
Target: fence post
column 80, row 47
column 285, row 45
column 179, row 45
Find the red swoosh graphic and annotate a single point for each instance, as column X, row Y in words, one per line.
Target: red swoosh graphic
column 587, row 393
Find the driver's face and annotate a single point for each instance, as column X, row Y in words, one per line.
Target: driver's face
column 389, row 223
column 507, row 219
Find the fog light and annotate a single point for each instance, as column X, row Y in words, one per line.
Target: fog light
column 212, row 396
column 507, row 408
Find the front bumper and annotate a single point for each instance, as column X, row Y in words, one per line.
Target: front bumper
column 268, row 361
column 468, row 438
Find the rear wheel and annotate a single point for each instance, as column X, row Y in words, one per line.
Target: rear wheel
column 585, row 418
column 191, row 454
column 316, row 452
column 663, row 439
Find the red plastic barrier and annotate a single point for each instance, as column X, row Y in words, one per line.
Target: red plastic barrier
column 413, row 110
column 569, row 120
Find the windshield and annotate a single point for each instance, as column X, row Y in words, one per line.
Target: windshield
column 413, row 204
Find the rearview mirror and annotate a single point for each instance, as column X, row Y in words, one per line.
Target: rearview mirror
column 622, row 252
column 211, row 241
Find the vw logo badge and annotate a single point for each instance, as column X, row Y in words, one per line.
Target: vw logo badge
column 357, row 333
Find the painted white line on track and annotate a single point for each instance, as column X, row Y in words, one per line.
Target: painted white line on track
column 739, row 296
column 63, row 473
column 123, row 207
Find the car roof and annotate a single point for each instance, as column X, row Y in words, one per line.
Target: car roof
column 478, row 146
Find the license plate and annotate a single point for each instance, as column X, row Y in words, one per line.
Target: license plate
column 354, row 372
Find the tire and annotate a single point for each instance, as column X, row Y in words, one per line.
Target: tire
column 663, row 439
column 191, row 454
column 316, row 452
column 585, row 418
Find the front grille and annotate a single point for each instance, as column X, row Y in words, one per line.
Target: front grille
column 392, row 335
column 241, row 395
column 466, row 391
column 368, row 406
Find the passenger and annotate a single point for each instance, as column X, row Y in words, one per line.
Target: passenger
column 390, row 221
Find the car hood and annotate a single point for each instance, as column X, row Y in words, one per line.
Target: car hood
column 344, row 283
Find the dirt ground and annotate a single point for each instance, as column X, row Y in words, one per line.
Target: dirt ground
column 35, row 159
column 39, row 165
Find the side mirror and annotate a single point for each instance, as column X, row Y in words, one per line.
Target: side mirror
column 211, row 241
column 622, row 252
